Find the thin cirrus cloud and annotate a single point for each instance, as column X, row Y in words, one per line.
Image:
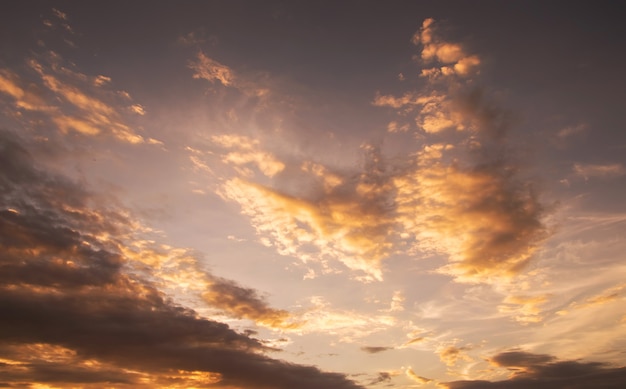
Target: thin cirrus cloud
column 63, row 266
column 599, row 170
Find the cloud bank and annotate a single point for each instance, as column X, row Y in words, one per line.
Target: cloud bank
column 74, row 315
column 545, row 371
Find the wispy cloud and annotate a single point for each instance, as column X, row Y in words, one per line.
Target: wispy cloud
column 211, row 70
column 599, row 170
column 417, row 378
column 71, row 101
column 208, row 69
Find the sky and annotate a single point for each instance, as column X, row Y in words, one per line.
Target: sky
column 312, row 194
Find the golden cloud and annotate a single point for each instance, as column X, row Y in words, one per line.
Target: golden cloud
column 211, row 70
column 487, row 224
column 417, row 378
column 452, row 55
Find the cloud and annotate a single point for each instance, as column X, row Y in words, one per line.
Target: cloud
column 94, row 116
column 450, row 355
column 599, row 171
column 68, row 103
column 65, row 98
column 348, row 219
column 452, row 55
column 245, row 303
column 208, row 69
column 488, row 224
column 417, row 378
column 610, row 295
column 458, row 195
column 461, row 195
column 349, row 325
column 526, row 309
column 68, row 290
column 545, row 371
column 383, row 376
column 244, row 151
column 570, row 131
column 29, row 99
column 375, row 349
column 251, row 86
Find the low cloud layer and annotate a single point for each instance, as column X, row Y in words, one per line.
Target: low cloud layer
column 545, row 371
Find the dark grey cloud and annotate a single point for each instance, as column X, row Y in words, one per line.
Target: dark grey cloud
column 375, row 350
column 383, row 377
column 63, row 285
column 545, row 371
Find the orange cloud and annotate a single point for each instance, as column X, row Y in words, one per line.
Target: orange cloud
column 81, row 112
column 526, row 309
column 208, row 69
column 245, row 303
column 446, row 53
column 417, row 378
column 487, row 224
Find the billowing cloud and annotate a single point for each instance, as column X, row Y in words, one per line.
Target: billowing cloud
column 348, row 219
column 545, row 371
column 486, row 222
column 451, row 56
column 69, row 298
column 463, row 197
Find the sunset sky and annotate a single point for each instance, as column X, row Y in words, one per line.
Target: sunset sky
column 312, row 194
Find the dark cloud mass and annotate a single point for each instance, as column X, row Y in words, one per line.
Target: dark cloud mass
column 65, row 298
column 545, row 371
